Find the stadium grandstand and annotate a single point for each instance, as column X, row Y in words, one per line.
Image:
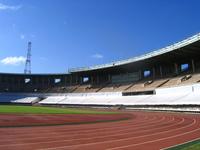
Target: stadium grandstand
column 167, row 78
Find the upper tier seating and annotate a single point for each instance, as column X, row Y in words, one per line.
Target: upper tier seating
column 128, row 87
column 195, row 78
column 115, row 87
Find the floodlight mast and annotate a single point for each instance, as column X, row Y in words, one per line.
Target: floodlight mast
column 27, row 69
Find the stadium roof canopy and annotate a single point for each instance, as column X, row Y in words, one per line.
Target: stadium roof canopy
column 188, row 46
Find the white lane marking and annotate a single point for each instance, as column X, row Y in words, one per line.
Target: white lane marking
column 110, row 141
column 91, row 130
column 162, row 119
column 86, row 132
column 74, row 134
column 157, row 139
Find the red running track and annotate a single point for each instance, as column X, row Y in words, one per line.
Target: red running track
column 146, row 130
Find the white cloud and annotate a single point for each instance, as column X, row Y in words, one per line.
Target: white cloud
column 15, row 61
column 9, row 7
column 97, row 56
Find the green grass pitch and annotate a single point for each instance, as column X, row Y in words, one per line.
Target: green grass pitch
column 194, row 145
column 15, row 109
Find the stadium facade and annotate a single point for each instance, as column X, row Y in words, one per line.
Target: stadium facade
column 172, row 66
column 177, row 59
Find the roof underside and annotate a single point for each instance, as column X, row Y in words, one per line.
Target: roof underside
column 189, row 47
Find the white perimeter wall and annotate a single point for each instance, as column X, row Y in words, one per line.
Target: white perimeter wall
column 164, row 96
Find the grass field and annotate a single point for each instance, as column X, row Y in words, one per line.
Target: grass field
column 13, row 109
column 194, row 145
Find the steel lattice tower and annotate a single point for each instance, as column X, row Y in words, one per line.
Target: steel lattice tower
column 27, row 69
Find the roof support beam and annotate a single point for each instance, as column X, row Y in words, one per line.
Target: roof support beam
column 193, row 66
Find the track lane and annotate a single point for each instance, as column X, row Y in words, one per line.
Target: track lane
column 81, row 136
column 144, row 130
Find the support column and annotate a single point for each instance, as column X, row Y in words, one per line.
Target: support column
column 70, row 81
column 81, row 80
column 37, row 83
column 193, row 66
column 48, row 84
column 65, row 84
column 76, row 79
column 19, row 84
column 161, row 73
column 91, row 79
column 97, row 79
column 176, row 68
column 154, row 73
column 109, row 77
column 140, row 74
column 43, row 82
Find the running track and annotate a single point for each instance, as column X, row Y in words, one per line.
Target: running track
column 146, row 130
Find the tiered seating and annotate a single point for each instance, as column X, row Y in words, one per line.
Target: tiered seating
column 185, row 95
column 27, row 100
column 143, row 85
column 81, row 89
column 128, row 87
column 136, row 87
column 52, row 100
column 65, row 89
column 122, row 87
column 116, row 87
column 110, row 88
column 164, row 99
column 7, row 98
column 155, row 84
column 195, row 78
column 93, row 88
column 173, row 82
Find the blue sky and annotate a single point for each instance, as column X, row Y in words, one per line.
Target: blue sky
column 75, row 33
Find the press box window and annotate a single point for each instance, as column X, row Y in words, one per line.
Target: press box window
column 184, row 67
column 85, row 79
column 57, row 80
column 27, row 80
column 147, row 73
